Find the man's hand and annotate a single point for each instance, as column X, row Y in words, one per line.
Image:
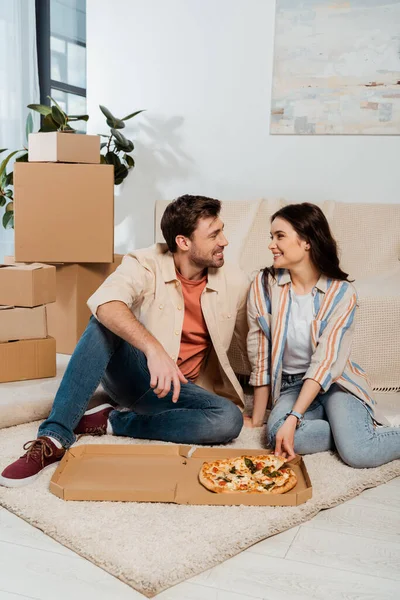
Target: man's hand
column 164, row 372
column 284, row 444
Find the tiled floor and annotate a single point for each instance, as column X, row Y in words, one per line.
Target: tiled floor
column 351, row 552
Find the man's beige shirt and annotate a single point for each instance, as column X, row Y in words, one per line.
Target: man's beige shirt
column 146, row 282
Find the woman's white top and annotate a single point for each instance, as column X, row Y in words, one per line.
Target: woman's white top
column 298, row 349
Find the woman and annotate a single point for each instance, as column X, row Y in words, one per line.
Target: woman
column 301, row 323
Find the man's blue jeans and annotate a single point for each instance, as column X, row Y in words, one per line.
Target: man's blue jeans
column 199, row 417
column 335, row 420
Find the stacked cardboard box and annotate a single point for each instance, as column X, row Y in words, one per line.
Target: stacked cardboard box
column 26, row 349
column 64, row 215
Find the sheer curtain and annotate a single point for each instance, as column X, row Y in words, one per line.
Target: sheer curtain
column 19, row 83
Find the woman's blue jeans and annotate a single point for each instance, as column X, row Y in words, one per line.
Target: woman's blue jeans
column 335, row 420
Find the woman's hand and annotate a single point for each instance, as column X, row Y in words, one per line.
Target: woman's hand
column 284, row 444
column 248, row 422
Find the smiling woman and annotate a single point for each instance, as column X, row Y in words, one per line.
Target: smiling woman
column 301, row 318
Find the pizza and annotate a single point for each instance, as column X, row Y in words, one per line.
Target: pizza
column 261, row 474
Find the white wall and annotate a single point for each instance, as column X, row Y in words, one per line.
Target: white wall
column 203, row 71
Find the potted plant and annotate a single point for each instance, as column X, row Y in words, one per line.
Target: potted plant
column 115, row 151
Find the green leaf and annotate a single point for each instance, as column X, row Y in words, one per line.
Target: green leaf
column 58, row 116
column 9, row 180
column 78, row 117
column 118, row 124
column 8, row 193
column 121, row 139
column 121, row 171
column 103, row 145
column 3, row 150
column 113, row 159
column 54, row 102
column 22, row 158
column 28, row 125
column 129, row 160
column 49, row 124
column 108, row 114
column 125, row 147
column 8, row 219
column 40, row 108
column 103, row 135
column 103, row 159
column 4, row 164
column 3, row 200
column 9, row 207
column 119, row 174
column 133, row 114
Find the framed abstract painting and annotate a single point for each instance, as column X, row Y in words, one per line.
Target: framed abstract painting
column 336, row 67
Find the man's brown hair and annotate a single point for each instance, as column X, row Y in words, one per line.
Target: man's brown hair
column 182, row 215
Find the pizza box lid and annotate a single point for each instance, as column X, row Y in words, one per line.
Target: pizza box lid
column 159, row 473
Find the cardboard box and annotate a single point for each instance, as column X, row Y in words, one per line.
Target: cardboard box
column 22, row 323
column 158, row 473
column 55, row 146
column 64, row 213
column 68, row 317
column 27, row 285
column 27, row 359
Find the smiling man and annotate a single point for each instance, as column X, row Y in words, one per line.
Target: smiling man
column 158, row 340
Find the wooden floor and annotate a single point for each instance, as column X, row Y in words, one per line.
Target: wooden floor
column 351, row 552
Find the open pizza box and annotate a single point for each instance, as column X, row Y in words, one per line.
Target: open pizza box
column 159, row 473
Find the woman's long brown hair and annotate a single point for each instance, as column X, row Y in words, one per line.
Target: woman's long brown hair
column 311, row 225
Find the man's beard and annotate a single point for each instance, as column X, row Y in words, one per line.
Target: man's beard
column 206, row 262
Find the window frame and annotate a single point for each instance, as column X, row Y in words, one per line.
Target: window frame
column 43, row 35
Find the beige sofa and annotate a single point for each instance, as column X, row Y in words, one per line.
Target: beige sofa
column 368, row 237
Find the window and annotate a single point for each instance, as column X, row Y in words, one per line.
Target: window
column 61, row 41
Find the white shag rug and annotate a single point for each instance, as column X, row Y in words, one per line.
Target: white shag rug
column 154, row 546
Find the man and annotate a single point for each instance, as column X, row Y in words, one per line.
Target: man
column 158, row 342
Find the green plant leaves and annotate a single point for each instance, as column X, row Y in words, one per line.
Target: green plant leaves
column 78, row 117
column 8, row 219
column 28, row 125
column 121, row 142
column 3, row 200
column 41, row 108
column 119, row 174
column 111, row 120
column 56, row 104
column 58, row 116
column 4, row 164
column 129, row 160
column 49, row 124
column 22, row 158
column 133, row 115
column 113, row 159
column 3, row 150
column 108, row 114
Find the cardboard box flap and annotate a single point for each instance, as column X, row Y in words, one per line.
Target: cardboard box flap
column 6, row 307
column 23, row 266
column 151, row 473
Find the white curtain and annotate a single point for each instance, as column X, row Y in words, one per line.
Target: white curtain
column 19, row 84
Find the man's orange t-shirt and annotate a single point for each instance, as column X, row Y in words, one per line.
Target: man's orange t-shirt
column 195, row 339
